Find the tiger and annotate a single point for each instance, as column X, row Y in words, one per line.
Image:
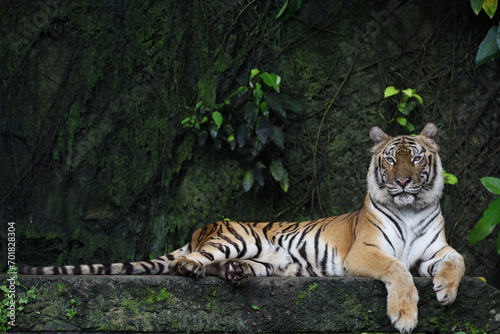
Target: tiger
column 398, row 230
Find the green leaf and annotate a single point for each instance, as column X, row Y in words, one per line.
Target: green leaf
column 213, row 129
column 476, row 5
column 217, row 117
column 257, row 148
column 411, row 105
column 406, row 108
column 488, row 49
column 402, row 121
column 257, row 171
column 231, row 141
column 288, row 9
column 408, row 92
column 202, row 138
column 490, row 7
column 251, row 111
column 198, row 105
column 483, row 228
column 284, row 182
column 275, row 101
column 253, row 73
column 228, row 129
column 419, row 99
column 277, row 170
column 410, row 127
column 272, row 80
column 282, row 10
column 248, row 180
column 277, row 137
column 258, row 93
column 263, row 129
column 243, row 134
column 492, row 184
column 390, row 91
column 480, row 231
column 280, row 174
column 264, row 107
column 449, row 178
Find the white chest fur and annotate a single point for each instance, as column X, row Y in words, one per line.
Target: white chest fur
column 409, row 231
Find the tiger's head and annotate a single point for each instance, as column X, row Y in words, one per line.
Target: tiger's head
column 405, row 171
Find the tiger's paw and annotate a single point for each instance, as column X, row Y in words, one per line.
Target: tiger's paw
column 185, row 267
column 237, row 272
column 446, row 290
column 402, row 309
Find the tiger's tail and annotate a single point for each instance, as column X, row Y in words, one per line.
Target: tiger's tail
column 158, row 266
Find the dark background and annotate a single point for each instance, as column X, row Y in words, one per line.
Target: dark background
column 96, row 167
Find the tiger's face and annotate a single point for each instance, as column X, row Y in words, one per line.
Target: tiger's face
column 405, row 171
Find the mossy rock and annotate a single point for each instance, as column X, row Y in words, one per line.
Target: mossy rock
column 267, row 305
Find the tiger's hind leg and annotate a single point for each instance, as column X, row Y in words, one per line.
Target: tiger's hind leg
column 214, row 258
column 275, row 262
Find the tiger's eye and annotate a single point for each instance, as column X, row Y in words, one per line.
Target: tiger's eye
column 389, row 160
column 417, row 158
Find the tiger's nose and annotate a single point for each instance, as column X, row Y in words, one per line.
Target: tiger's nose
column 402, row 181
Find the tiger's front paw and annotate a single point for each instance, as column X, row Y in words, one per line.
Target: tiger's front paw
column 402, row 308
column 185, row 267
column 445, row 288
column 237, row 272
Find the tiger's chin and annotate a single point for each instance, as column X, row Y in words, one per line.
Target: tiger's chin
column 404, row 199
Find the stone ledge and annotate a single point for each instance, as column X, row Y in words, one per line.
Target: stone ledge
column 169, row 304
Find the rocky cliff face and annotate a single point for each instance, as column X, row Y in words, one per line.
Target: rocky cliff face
column 97, row 166
column 168, row 304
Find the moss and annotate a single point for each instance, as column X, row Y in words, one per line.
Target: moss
column 162, row 296
column 131, row 305
column 61, row 287
column 304, row 294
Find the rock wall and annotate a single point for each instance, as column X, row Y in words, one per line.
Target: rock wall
column 169, row 304
column 96, row 166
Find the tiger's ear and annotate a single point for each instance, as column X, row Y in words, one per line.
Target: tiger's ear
column 377, row 135
column 430, row 131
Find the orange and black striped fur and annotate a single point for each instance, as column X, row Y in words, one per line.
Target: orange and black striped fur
column 399, row 228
